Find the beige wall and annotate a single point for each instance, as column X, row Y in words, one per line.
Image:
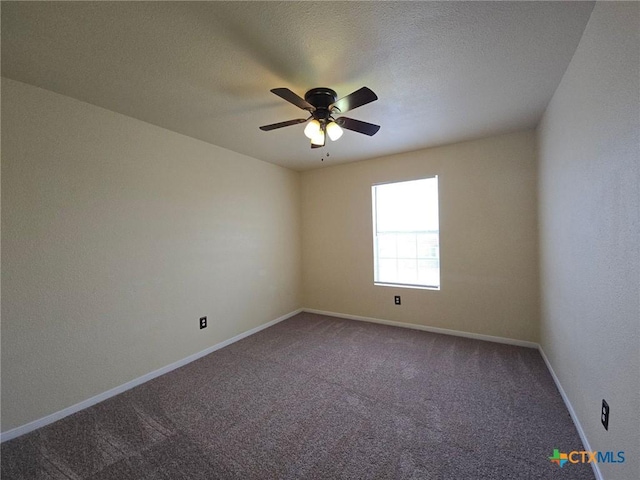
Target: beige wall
column 590, row 232
column 116, row 237
column 488, row 238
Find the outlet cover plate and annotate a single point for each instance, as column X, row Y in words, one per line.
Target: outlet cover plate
column 604, row 415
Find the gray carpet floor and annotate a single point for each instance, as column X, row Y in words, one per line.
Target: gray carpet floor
column 317, row 397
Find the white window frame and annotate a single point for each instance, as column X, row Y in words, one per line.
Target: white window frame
column 376, row 266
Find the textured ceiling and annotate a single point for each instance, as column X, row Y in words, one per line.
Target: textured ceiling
column 443, row 71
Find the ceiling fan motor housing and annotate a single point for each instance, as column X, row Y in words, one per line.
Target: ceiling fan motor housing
column 321, row 98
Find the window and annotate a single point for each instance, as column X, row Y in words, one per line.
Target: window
column 406, row 234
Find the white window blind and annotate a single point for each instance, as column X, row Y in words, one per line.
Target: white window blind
column 406, row 233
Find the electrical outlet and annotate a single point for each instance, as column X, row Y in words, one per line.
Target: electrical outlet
column 203, row 322
column 604, row 415
column 396, row 300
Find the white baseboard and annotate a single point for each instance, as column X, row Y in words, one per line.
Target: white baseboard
column 574, row 417
column 54, row 417
column 445, row 331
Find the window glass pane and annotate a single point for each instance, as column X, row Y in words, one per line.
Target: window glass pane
column 428, row 272
column 406, row 245
column 406, row 233
column 407, row 206
column 387, row 245
column 427, row 245
column 407, row 271
column 388, row 270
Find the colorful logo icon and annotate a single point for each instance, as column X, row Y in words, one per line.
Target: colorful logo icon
column 582, row 456
column 559, row 458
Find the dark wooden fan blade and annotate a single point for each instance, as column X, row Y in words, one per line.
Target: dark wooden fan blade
column 291, row 97
column 358, row 126
column 273, row 126
column 355, row 100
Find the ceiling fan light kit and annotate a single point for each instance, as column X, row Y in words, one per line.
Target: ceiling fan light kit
column 322, row 104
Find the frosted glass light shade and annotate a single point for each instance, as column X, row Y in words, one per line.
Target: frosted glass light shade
column 318, row 139
column 312, row 129
column 334, row 131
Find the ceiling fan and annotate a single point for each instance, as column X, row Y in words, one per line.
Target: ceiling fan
column 322, row 104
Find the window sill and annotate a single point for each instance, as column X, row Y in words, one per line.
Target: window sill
column 404, row 285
